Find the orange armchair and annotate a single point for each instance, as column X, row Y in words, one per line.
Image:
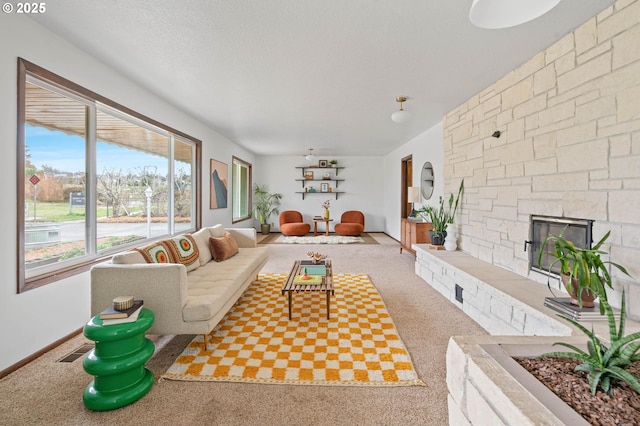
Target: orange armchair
column 291, row 223
column 351, row 223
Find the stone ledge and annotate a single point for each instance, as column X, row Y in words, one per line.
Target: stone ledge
column 501, row 301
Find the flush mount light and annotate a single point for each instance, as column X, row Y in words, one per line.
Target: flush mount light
column 401, row 116
column 494, row 14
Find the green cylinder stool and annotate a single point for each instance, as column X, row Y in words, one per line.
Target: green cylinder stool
column 117, row 362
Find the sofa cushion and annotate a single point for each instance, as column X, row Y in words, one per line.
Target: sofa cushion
column 157, row 252
column 128, row 258
column 212, row 285
column 184, row 250
column 223, row 248
column 202, row 241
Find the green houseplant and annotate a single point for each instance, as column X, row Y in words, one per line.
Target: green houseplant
column 586, row 272
column 582, row 270
column 441, row 216
column 266, row 204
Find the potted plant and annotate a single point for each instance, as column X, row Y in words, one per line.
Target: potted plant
column 441, row 216
column 266, row 204
column 583, row 272
column 333, row 163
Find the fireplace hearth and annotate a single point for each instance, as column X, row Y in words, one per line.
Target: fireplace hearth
column 579, row 231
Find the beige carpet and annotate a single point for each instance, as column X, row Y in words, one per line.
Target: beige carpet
column 257, row 343
column 49, row 392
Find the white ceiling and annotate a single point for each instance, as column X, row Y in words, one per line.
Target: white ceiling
column 281, row 76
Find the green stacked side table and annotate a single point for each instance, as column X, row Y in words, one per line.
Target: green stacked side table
column 117, row 362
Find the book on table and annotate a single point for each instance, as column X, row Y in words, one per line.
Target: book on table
column 131, row 318
column 310, row 263
column 112, row 313
column 309, row 280
column 314, row 269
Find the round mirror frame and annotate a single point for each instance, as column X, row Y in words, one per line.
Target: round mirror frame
column 426, row 180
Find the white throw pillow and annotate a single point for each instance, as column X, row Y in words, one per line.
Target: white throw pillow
column 217, row 231
column 132, row 257
column 202, row 241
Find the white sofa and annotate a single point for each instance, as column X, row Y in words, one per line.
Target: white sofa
column 183, row 302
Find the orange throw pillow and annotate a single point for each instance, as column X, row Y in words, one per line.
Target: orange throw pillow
column 223, row 248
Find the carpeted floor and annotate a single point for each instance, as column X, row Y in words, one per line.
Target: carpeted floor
column 257, row 343
column 48, row 392
column 277, row 238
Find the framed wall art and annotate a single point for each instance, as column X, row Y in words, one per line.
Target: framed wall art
column 323, row 163
column 219, row 183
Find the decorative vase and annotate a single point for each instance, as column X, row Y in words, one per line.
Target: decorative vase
column 325, row 214
column 437, row 237
column 450, row 243
column 588, row 298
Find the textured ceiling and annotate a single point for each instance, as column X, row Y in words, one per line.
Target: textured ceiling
column 281, row 76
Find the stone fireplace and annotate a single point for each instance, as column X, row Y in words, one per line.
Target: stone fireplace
column 569, row 147
column 577, row 231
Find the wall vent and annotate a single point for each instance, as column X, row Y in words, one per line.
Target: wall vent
column 459, row 293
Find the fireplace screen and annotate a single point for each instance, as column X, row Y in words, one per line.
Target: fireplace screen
column 576, row 230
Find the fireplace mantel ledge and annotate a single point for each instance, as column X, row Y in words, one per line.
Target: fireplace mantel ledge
column 501, row 301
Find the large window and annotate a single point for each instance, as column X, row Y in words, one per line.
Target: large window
column 241, row 189
column 94, row 178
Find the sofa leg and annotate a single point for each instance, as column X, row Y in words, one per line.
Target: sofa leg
column 205, row 340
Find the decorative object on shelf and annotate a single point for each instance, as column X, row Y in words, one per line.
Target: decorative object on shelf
column 325, row 206
column 401, row 116
column 441, row 216
column 324, row 187
column 326, row 176
column 308, row 174
column 450, row 243
column 218, row 185
column 333, row 163
column 311, row 189
column 586, row 273
column 316, row 257
column 266, row 204
column 310, row 156
column 413, row 196
column 494, row 14
column 322, row 163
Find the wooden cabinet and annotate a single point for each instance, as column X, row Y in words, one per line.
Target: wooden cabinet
column 412, row 232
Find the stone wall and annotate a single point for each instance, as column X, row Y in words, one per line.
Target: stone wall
column 570, row 146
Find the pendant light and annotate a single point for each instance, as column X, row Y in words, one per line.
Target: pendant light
column 401, row 116
column 494, row 14
column 310, row 155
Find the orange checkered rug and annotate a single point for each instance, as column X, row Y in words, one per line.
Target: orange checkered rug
column 257, row 343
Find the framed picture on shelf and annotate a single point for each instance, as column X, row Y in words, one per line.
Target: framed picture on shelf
column 308, row 175
column 323, row 163
column 324, row 187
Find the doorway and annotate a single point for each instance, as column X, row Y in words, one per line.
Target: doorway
column 406, row 180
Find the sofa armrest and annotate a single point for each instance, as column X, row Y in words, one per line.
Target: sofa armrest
column 245, row 237
column 162, row 287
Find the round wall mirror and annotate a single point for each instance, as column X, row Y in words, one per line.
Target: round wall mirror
column 426, row 180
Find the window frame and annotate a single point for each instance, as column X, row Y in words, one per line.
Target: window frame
column 235, row 191
column 93, row 101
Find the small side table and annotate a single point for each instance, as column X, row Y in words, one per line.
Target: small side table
column 117, row 362
column 326, row 224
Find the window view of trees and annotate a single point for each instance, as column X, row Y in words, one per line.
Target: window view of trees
column 143, row 187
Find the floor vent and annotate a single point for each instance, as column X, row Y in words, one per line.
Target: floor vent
column 459, row 297
column 78, row 353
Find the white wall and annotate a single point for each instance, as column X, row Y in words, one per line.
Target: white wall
column 363, row 187
column 37, row 318
column 424, row 147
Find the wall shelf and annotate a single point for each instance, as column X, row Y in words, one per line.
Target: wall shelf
column 319, row 192
column 319, row 174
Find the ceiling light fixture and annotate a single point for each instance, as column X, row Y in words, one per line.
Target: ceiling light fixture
column 401, row 116
column 494, row 14
column 310, row 155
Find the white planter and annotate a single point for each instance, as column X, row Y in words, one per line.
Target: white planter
column 450, row 242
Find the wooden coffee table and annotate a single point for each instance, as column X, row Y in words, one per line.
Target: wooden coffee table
column 327, row 284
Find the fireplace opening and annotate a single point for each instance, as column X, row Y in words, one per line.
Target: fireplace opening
column 577, row 231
